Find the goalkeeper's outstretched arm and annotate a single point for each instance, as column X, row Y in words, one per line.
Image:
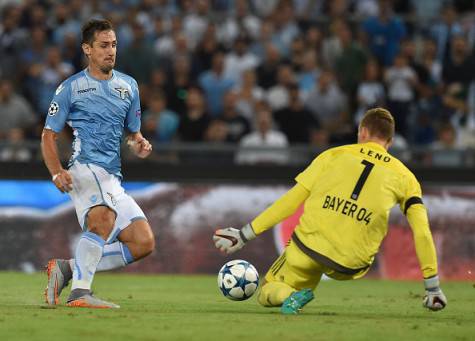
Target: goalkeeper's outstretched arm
column 424, row 244
column 230, row 240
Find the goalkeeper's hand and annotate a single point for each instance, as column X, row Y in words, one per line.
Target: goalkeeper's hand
column 434, row 298
column 229, row 240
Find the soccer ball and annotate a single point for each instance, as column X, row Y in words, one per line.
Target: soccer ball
column 238, row 280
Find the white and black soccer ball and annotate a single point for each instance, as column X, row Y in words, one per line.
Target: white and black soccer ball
column 238, row 280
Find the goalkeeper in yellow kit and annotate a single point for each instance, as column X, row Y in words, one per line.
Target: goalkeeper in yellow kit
column 348, row 193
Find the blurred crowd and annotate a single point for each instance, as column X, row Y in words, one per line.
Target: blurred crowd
column 254, row 73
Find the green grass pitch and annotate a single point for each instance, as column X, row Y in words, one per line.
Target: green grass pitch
column 191, row 308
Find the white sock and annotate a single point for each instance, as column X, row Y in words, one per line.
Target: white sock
column 114, row 256
column 88, row 254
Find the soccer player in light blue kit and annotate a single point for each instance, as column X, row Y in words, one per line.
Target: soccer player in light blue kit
column 98, row 103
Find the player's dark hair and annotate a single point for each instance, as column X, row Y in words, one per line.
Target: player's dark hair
column 90, row 28
column 379, row 122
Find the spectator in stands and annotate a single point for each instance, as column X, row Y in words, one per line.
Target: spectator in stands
column 309, row 73
column 424, row 132
column 430, row 62
column 370, row 92
column 32, row 57
column 268, row 70
column 286, row 28
column 248, row 95
column 65, row 23
column 237, row 125
column 445, row 149
column 195, row 121
column 138, row 59
column 263, row 137
column 15, row 112
column 50, row 76
column 329, row 106
column 160, row 123
column 350, row 64
column 313, row 38
column 331, row 46
column 460, row 67
column 12, row 40
column 296, row 121
column 215, row 84
column 164, row 44
column 384, row 33
column 217, row 131
column 278, row 95
column 240, row 22
column 401, row 81
column 458, row 73
column 203, row 55
column 16, row 149
column 266, row 37
column 444, row 30
column 72, row 53
column 196, row 20
column 179, row 82
column 239, row 59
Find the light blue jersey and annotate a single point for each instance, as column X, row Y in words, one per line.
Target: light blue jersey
column 97, row 111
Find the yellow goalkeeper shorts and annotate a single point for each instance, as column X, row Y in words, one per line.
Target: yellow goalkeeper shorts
column 300, row 271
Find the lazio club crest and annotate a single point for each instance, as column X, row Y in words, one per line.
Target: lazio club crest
column 123, row 92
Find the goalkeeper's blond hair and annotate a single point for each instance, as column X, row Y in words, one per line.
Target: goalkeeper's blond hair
column 379, row 122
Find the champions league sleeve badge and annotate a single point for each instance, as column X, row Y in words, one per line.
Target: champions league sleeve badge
column 53, row 108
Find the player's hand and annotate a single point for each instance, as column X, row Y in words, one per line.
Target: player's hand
column 230, row 240
column 434, row 298
column 142, row 147
column 63, row 181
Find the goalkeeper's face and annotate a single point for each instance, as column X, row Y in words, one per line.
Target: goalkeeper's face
column 103, row 51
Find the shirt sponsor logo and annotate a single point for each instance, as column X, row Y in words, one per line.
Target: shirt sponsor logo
column 347, row 208
column 82, row 91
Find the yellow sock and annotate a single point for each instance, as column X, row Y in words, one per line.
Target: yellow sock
column 273, row 294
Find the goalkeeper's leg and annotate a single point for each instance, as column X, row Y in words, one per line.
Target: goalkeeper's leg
column 293, row 271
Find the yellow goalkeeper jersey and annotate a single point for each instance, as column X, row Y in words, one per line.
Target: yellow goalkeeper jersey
column 351, row 190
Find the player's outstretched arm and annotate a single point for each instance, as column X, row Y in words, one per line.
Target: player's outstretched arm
column 140, row 146
column 60, row 176
column 230, row 240
column 434, row 298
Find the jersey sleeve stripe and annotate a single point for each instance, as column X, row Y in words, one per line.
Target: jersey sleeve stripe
column 412, row 201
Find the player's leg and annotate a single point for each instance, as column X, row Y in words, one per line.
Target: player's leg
column 60, row 271
column 274, row 290
column 291, row 273
column 100, row 223
column 138, row 238
column 130, row 226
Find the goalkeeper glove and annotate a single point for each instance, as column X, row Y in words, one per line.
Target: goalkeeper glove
column 229, row 240
column 434, row 298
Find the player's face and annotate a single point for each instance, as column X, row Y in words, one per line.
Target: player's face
column 103, row 51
